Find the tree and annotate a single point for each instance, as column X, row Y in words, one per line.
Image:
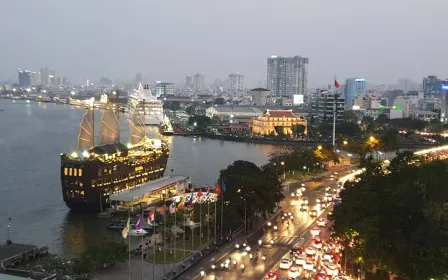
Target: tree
column 260, row 187
column 172, row 105
column 395, row 218
column 279, row 130
column 190, row 110
column 220, row 101
column 298, row 130
column 382, row 119
column 201, row 121
column 350, row 116
column 368, row 123
column 348, row 129
column 389, row 141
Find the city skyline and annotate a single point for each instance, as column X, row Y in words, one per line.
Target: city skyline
column 103, row 46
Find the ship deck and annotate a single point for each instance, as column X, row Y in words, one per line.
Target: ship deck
column 150, row 188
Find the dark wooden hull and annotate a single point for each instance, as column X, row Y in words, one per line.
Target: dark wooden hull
column 82, row 193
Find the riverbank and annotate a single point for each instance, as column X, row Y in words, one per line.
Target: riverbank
column 281, row 142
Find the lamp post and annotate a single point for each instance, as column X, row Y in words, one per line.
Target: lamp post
column 284, row 170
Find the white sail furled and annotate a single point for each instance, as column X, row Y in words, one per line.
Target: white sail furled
column 110, row 125
column 86, row 133
column 136, row 126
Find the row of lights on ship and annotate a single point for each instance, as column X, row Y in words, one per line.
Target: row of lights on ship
column 86, row 154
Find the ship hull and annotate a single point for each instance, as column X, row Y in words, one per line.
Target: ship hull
column 153, row 120
column 90, row 191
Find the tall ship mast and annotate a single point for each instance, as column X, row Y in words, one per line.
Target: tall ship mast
column 95, row 170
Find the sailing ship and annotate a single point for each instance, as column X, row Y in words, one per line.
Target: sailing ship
column 165, row 127
column 93, row 172
column 143, row 101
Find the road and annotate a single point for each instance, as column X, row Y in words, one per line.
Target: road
column 284, row 238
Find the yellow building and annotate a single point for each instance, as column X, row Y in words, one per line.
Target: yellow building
column 285, row 119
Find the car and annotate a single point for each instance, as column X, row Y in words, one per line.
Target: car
column 272, row 276
column 329, row 197
column 317, row 200
column 300, row 259
column 321, row 276
column 330, row 213
column 296, row 251
column 310, row 251
column 327, row 189
column 294, row 271
column 303, row 207
column 323, row 205
column 308, row 266
column 321, row 222
column 331, row 269
column 305, row 200
column 292, row 194
column 317, row 243
column 313, row 213
column 285, row 264
column 328, row 255
column 315, row 231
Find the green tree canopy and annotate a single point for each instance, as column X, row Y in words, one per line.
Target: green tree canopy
column 260, row 187
column 220, row 101
column 190, row 110
column 201, row 121
column 298, row 130
column 395, row 218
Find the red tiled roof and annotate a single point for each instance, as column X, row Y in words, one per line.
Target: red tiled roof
column 280, row 114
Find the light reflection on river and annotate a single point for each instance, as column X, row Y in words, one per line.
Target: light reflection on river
column 32, row 137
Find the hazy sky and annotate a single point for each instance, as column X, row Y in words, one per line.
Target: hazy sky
column 379, row 40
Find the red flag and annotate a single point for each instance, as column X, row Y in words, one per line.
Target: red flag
column 199, row 193
column 217, row 189
column 336, row 84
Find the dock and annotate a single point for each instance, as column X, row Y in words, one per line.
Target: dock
column 12, row 255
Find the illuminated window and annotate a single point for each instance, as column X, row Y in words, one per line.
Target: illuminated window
column 80, row 172
column 75, row 172
column 70, row 172
column 65, row 171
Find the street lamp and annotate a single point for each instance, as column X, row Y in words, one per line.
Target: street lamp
column 371, row 138
column 319, row 147
column 284, row 170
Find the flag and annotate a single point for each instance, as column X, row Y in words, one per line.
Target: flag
column 336, row 84
column 217, row 189
column 126, row 229
column 189, row 203
column 181, row 204
column 162, row 211
column 208, row 192
column 199, row 193
column 172, row 208
column 139, row 223
column 151, row 216
column 223, row 186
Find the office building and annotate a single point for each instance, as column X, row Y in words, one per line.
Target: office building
column 198, row 83
column 444, row 103
column 24, row 78
column 189, row 81
column 260, row 96
column 138, row 78
column 35, row 79
column 287, row 76
column 236, row 81
column 165, row 89
column 432, row 86
column 324, row 103
column 353, row 88
column 44, row 76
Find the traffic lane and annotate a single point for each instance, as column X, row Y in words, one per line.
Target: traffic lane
column 254, row 269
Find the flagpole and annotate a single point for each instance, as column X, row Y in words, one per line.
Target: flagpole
column 155, row 243
column 216, row 200
column 200, row 223
column 208, row 218
column 164, row 239
column 175, row 234
column 129, row 247
column 222, row 208
column 141, row 217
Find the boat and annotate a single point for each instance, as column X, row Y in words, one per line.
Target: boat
column 141, row 100
column 93, row 172
column 165, row 127
column 137, row 232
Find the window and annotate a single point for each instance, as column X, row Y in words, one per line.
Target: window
column 75, row 172
column 65, row 171
column 80, row 172
column 70, row 172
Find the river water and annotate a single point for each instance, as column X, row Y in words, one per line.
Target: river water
column 32, row 136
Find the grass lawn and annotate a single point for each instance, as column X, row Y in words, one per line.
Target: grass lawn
column 196, row 242
column 160, row 258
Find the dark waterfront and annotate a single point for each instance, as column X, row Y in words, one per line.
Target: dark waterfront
column 32, row 137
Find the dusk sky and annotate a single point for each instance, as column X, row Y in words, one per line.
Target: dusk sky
column 166, row 40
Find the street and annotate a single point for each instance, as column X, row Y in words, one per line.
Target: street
column 284, row 238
